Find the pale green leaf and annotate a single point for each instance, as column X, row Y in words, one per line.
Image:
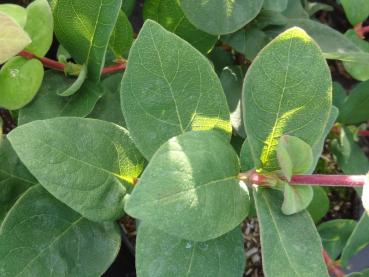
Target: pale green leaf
column 40, row 27
column 287, row 91
column 356, row 10
column 170, row 15
column 296, row 198
column 12, row 38
column 191, row 187
column 220, row 16
column 275, row 5
column 20, row 79
column 290, row 244
column 84, row 29
column 122, row 36
column 162, row 255
column 42, row 237
column 334, row 234
column 48, row 104
column 169, row 88
column 319, row 205
column 18, row 13
column 77, row 84
column 98, row 157
column 358, row 240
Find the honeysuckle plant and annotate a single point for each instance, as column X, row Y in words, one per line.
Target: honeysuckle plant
column 218, row 111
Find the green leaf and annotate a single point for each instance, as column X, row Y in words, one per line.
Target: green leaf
column 314, row 7
column 191, row 187
column 290, row 244
column 122, row 36
column 287, row 91
column 169, row 88
column 220, row 58
column 356, row 11
column 14, row 178
column 170, row 15
column 355, row 109
column 232, row 79
column 128, row 6
column 358, row 240
column 247, row 162
column 48, row 104
column 339, row 95
column 220, row 16
column 334, row 234
column 77, row 84
column 275, row 5
column 270, row 18
column 42, row 237
column 296, row 198
column 20, row 79
column 84, row 29
column 294, row 155
column 108, row 107
column 98, row 157
column 360, row 71
column 12, row 38
column 40, row 27
column 16, row 12
column 319, row 205
column 160, row 254
column 295, row 10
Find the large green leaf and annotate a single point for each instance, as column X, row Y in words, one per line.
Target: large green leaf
column 162, row 255
column 169, row 88
column 14, row 178
column 287, row 91
column 12, row 38
column 84, row 29
column 356, row 11
column 122, row 37
column 334, row 234
column 191, row 187
column 220, row 16
column 48, row 104
column 20, row 80
column 290, row 244
column 170, row 15
column 40, row 27
column 358, row 240
column 18, row 13
column 42, row 237
column 98, row 158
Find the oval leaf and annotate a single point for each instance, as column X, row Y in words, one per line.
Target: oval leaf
column 191, row 187
column 16, row 12
column 50, row 239
column 160, row 254
column 169, row 88
column 296, row 198
column 287, row 91
column 98, row 157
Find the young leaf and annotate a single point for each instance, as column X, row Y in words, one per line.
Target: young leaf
column 296, row 198
column 20, row 79
column 169, row 88
column 287, row 91
column 122, row 36
column 334, row 234
column 84, row 29
column 12, row 38
column 294, row 155
column 358, row 240
column 77, row 84
column 14, row 178
column 191, row 187
column 98, row 157
column 219, row 17
column 170, row 15
column 356, row 11
column 48, row 104
column 275, row 5
column 42, row 237
column 319, row 205
column 40, row 27
column 160, row 254
column 18, row 13
column 290, row 244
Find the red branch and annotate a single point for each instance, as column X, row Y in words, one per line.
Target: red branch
column 363, row 133
column 314, row 180
column 49, row 63
column 361, row 30
column 332, row 266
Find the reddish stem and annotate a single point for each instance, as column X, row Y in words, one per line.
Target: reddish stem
column 332, row 266
column 49, row 63
column 363, row 133
column 361, row 30
column 314, row 180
